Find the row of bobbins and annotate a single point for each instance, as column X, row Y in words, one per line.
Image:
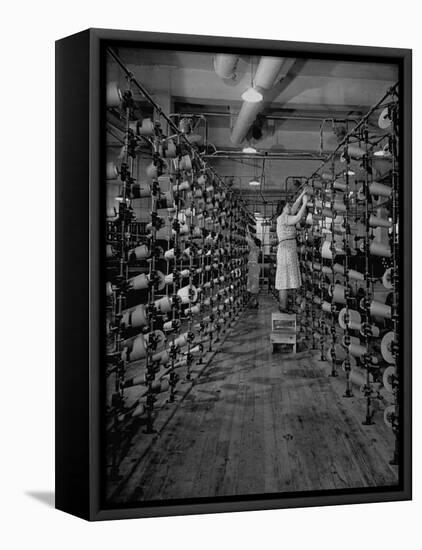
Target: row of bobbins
column 177, row 284
column 348, row 304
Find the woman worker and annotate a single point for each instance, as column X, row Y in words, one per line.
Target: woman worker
column 288, row 271
column 254, row 269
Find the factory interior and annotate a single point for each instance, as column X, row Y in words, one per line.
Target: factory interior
column 230, row 370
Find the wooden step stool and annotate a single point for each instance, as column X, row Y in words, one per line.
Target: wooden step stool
column 283, row 332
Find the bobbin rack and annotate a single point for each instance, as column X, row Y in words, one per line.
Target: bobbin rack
column 176, row 280
column 348, row 306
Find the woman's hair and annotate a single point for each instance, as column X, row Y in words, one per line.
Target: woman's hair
column 257, row 241
column 280, row 206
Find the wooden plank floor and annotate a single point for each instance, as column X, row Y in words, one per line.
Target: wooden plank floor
column 257, row 422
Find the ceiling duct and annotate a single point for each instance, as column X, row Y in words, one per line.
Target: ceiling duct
column 225, row 66
column 265, row 77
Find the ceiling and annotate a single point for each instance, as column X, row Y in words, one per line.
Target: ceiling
column 292, row 125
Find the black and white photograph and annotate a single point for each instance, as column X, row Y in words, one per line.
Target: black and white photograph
column 252, row 228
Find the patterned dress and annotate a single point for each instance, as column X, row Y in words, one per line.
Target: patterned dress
column 288, row 271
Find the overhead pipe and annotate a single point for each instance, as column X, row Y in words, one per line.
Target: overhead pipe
column 225, row 65
column 265, row 78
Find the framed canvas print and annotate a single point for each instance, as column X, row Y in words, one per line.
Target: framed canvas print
column 233, row 274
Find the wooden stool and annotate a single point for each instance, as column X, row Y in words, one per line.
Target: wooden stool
column 283, row 331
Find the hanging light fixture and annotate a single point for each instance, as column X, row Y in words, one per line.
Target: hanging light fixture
column 254, row 183
column 252, row 95
column 249, row 150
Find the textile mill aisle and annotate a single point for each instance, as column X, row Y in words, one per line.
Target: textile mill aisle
column 260, row 422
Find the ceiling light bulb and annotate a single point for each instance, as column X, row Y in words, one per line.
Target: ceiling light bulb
column 252, row 95
column 249, row 150
column 254, row 182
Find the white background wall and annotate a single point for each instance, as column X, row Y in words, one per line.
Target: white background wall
column 27, row 274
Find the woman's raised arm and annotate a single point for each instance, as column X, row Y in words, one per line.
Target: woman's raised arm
column 293, row 220
column 296, row 204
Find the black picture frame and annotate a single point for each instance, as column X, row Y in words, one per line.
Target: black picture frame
column 79, row 73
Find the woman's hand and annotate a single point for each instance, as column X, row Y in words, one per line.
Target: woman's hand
column 305, row 199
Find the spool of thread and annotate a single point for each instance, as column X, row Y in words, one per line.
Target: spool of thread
column 188, row 294
column 163, row 305
column 136, row 317
column 183, row 186
column 152, row 171
column 170, row 277
column 355, row 152
column 112, row 214
column 354, row 322
column 351, row 339
column 388, row 378
column 337, row 292
column 338, row 351
column 111, row 171
column 140, row 410
column 359, row 378
column 140, row 282
column 134, row 349
column 161, row 357
column 338, row 268
column 163, row 234
column 357, row 350
column 327, row 213
column 384, row 119
column 109, row 251
column 168, row 326
column 146, row 128
column 109, row 289
column 387, row 345
column 355, row 275
column 169, row 254
column 140, row 252
column 197, row 233
column 183, row 229
column 185, row 163
column 377, row 249
column 339, row 185
column 113, row 95
column 170, row 149
column 387, row 279
column 389, row 414
column 375, row 221
column 380, row 189
column 181, row 340
column 164, row 181
column 378, row 309
column 339, row 206
column 326, row 251
column 373, row 330
column 352, row 362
